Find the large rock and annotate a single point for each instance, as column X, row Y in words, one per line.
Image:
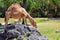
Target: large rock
column 21, row 31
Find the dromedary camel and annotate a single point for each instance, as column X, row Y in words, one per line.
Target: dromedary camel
column 17, row 12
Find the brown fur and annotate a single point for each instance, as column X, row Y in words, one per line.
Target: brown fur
column 17, row 12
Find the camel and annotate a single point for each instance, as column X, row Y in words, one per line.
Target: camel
column 17, row 12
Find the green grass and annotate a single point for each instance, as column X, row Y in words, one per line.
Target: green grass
column 46, row 26
column 49, row 29
column 40, row 20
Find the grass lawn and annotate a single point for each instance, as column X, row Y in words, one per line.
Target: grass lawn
column 49, row 29
column 46, row 26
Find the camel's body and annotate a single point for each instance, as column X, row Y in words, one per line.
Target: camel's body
column 17, row 12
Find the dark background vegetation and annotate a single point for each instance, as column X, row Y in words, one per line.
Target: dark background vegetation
column 36, row 8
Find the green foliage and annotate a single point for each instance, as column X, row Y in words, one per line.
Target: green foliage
column 0, row 13
column 37, row 4
column 1, row 3
column 29, row 4
column 7, row 3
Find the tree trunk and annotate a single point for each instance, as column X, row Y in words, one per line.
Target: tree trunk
column 24, row 3
column 24, row 6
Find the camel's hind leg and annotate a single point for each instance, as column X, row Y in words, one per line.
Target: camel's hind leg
column 7, row 16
